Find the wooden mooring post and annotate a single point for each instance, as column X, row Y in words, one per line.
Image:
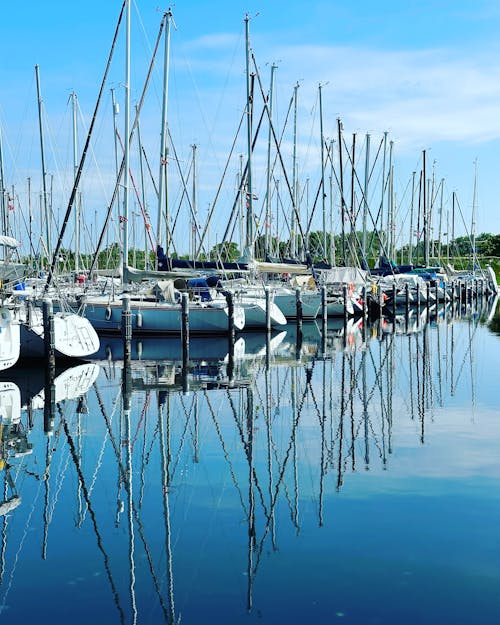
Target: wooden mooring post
column 50, row 368
column 299, row 309
column 230, row 333
column 185, row 339
column 126, row 329
column 324, row 319
column 268, row 309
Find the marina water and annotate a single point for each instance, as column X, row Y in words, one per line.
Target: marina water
column 351, row 480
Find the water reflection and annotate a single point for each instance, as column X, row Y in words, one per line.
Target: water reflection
column 173, row 493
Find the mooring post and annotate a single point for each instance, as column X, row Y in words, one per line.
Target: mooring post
column 50, row 368
column 394, row 299
column 298, row 307
column 324, row 319
column 185, row 332
column 365, row 303
column 126, row 328
column 230, row 333
column 344, row 299
column 268, row 308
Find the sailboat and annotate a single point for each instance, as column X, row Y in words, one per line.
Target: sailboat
column 155, row 304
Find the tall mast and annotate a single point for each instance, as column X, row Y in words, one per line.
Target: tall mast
column 383, row 194
column 126, row 155
column 75, row 170
column 473, row 223
column 3, row 213
column 143, row 192
column 390, row 206
column 440, row 220
column 162, row 179
column 268, row 178
column 365, row 198
column 195, row 207
column 249, row 220
column 323, row 194
column 424, row 212
column 116, row 111
column 341, row 183
column 410, row 243
column 293, row 242
column 352, row 220
column 44, row 182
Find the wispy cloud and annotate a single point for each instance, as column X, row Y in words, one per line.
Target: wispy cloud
column 421, row 96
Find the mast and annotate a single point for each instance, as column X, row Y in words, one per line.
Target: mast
column 473, row 222
column 424, row 213
column 75, row 170
column 268, row 177
column 352, row 220
column 440, row 220
column 3, row 213
column 293, row 242
column 195, row 207
column 365, row 198
column 323, row 195
column 162, row 179
column 42, row 150
column 126, row 173
column 116, row 111
column 249, row 111
column 410, row 244
column 143, row 193
column 383, row 193
column 341, row 179
column 390, row 207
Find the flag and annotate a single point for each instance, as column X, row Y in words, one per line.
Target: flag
column 122, row 219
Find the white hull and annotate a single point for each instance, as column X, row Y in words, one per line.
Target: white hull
column 10, row 340
column 255, row 313
column 74, row 336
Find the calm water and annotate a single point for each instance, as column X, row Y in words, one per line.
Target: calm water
column 359, row 487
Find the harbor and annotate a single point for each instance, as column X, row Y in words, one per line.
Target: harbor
column 281, row 483
column 249, row 315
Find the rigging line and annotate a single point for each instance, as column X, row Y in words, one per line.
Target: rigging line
column 260, row 546
column 18, row 552
column 247, row 447
column 243, row 181
column 363, row 200
column 225, row 451
column 166, row 480
column 141, row 418
column 100, row 545
column 84, row 154
column 122, row 165
column 136, row 514
column 278, row 151
column 182, row 441
column 209, row 218
column 139, row 201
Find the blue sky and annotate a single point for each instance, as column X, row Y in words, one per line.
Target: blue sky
column 427, row 72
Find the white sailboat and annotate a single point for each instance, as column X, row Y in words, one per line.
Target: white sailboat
column 74, row 336
column 155, row 308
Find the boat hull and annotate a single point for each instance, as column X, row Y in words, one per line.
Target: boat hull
column 160, row 317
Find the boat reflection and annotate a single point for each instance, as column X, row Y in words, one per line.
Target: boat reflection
column 175, row 477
